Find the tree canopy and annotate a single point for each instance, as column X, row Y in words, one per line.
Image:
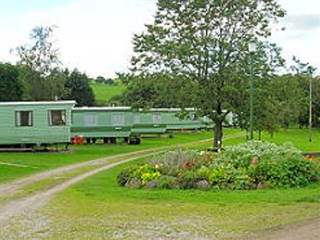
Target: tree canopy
column 206, row 42
column 78, row 88
column 11, row 88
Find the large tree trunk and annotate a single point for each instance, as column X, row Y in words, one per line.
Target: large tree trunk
column 217, row 143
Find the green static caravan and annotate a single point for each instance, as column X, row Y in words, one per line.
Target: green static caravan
column 176, row 119
column 35, row 123
column 106, row 123
column 148, row 122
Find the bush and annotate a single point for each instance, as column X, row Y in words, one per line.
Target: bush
column 241, row 155
column 188, row 179
column 125, row 175
column 286, row 172
column 229, row 177
column 167, row 182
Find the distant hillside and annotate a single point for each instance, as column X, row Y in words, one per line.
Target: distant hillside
column 103, row 92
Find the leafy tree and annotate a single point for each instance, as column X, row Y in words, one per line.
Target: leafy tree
column 40, row 55
column 304, row 74
column 55, row 85
column 291, row 98
column 39, row 66
column 33, row 83
column 78, row 88
column 205, row 41
column 100, row 79
column 110, row 81
column 158, row 90
column 11, row 88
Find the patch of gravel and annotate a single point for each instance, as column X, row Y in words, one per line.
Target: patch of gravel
column 305, row 230
column 30, row 224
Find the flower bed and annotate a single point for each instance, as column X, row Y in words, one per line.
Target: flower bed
column 252, row 165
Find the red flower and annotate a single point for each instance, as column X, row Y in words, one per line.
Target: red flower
column 188, row 164
column 255, row 160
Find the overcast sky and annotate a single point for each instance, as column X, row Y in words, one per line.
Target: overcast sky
column 95, row 36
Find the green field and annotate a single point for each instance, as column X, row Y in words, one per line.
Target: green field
column 103, row 93
column 299, row 137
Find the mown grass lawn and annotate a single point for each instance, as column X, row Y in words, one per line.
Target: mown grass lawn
column 98, row 208
column 299, row 137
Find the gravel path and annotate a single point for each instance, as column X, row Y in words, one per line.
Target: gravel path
column 306, row 230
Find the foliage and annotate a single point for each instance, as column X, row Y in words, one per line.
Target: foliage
column 146, row 173
column 226, row 176
column 11, row 88
column 206, row 42
column 78, row 88
column 242, row 154
column 124, row 176
column 304, row 74
column 158, row 90
column 287, row 171
column 245, row 166
column 167, row 182
column 40, row 56
column 39, row 66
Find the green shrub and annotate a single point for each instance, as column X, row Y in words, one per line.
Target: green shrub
column 228, row 177
column 188, row 179
column 125, row 175
column 203, row 173
column 167, row 182
column 286, row 172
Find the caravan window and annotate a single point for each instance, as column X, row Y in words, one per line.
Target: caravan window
column 136, row 118
column 156, row 118
column 57, row 117
column 24, row 118
column 118, row 119
column 90, row 120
